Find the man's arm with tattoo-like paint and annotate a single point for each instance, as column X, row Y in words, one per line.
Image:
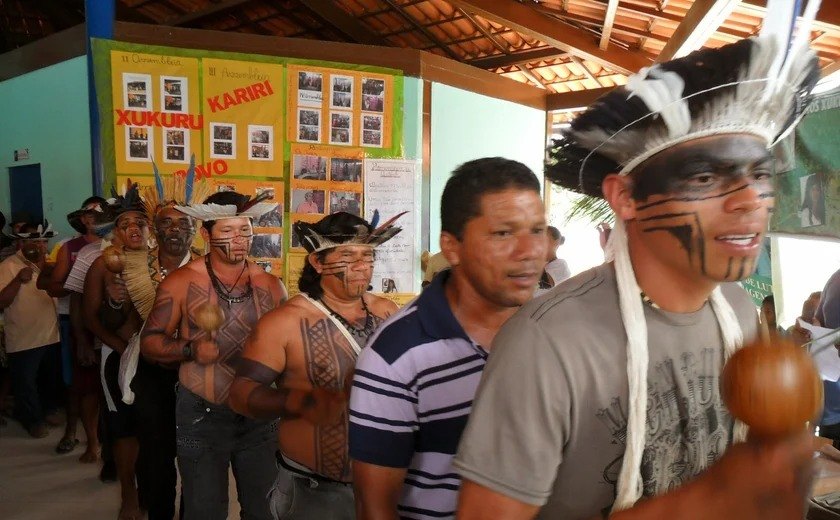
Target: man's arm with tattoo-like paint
column 262, row 363
column 158, row 341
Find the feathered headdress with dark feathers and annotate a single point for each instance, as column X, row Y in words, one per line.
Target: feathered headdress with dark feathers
column 759, row 86
column 345, row 229
column 128, row 201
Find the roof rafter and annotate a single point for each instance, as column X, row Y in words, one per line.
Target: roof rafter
column 427, row 33
column 609, row 19
column 348, row 25
column 529, row 21
column 700, row 22
column 501, row 45
column 210, row 10
column 495, row 61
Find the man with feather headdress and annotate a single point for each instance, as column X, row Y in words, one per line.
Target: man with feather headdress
column 308, row 348
column 152, row 388
column 210, row 436
column 602, row 397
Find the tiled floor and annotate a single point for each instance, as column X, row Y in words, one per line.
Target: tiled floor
column 37, row 484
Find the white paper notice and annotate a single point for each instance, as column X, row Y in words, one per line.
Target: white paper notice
column 389, row 188
column 826, row 357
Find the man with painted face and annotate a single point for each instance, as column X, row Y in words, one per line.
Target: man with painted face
column 308, row 348
column 602, row 397
column 210, row 435
column 114, row 322
column 152, row 388
column 31, row 328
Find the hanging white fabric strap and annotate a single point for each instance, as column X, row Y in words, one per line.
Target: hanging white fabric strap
column 318, row 305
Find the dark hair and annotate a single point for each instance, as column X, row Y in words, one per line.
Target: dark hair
column 91, row 200
column 768, row 300
column 223, row 198
column 555, row 234
column 461, row 200
column 814, row 209
column 338, row 225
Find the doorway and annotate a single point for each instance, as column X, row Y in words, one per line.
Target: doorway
column 25, row 192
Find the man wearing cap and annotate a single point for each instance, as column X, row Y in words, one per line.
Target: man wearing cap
column 83, row 397
column 602, row 397
column 31, row 328
column 210, row 436
column 308, row 348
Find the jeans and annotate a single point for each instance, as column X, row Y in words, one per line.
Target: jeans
column 210, row 439
column 154, row 408
column 36, row 383
column 295, row 496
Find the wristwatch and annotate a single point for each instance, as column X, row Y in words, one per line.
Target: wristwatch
column 187, row 351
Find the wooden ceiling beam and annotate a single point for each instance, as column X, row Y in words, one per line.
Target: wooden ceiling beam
column 496, row 61
column 700, row 23
column 523, row 68
column 200, row 14
column 609, row 20
column 572, row 100
column 348, row 25
column 586, row 71
column 427, row 33
column 528, row 21
column 501, row 45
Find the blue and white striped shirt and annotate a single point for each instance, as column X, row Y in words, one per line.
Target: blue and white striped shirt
column 412, row 393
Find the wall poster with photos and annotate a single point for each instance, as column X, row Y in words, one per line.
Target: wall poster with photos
column 340, row 107
column 245, row 118
column 808, row 196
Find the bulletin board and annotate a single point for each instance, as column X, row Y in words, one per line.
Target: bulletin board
column 299, row 129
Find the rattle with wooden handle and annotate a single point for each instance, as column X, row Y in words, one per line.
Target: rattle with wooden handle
column 773, row 387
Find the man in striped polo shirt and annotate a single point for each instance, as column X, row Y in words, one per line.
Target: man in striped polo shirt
column 414, row 384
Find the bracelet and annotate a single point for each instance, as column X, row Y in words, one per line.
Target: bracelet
column 187, row 351
column 111, row 303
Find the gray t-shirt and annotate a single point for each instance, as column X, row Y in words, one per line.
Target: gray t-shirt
column 548, row 424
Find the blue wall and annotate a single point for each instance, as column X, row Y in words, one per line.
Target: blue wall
column 47, row 112
column 467, row 126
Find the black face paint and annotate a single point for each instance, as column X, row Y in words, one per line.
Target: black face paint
column 174, row 234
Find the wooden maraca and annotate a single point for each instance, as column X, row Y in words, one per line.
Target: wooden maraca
column 209, row 317
column 114, row 259
column 773, row 387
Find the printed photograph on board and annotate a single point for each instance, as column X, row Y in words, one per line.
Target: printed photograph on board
column 309, row 167
column 373, row 95
column 267, row 246
column 310, row 88
column 137, row 91
column 173, row 91
column 308, row 201
column 260, row 140
column 223, row 141
column 138, row 143
column 177, row 145
column 812, row 206
column 341, row 91
column 345, row 170
column 272, row 219
column 309, row 125
column 341, row 124
column 346, row 201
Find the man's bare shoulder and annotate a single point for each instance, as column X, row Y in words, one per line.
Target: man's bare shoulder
column 289, row 312
column 379, row 306
column 263, row 279
column 181, row 277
